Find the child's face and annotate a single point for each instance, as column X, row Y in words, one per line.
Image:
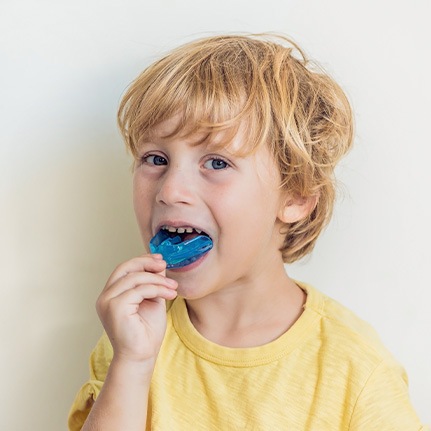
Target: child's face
column 235, row 200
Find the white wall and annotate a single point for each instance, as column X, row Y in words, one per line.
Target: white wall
column 66, row 216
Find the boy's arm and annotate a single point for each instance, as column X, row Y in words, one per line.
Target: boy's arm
column 122, row 402
column 133, row 312
column 100, row 359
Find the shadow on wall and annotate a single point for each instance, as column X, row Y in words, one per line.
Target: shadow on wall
column 71, row 222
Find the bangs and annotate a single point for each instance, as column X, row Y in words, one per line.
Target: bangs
column 211, row 89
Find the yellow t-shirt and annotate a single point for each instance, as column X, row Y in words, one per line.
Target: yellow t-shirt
column 328, row 372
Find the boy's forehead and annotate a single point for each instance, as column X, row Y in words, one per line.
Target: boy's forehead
column 232, row 140
column 165, row 128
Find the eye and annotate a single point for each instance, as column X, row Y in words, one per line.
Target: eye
column 154, row 159
column 216, row 163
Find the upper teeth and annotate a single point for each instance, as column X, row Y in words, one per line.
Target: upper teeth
column 180, row 229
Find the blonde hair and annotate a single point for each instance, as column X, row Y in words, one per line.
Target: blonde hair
column 287, row 102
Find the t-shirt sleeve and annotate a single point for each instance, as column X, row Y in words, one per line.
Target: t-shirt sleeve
column 100, row 360
column 384, row 403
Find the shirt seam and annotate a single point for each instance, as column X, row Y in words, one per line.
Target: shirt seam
column 363, row 389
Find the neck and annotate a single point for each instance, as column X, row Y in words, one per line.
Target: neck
column 250, row 313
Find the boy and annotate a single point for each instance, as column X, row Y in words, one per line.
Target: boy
column 235, row 140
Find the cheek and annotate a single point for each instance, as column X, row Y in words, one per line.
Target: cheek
column 252, row 215
column 141, row 198
column 240, row 210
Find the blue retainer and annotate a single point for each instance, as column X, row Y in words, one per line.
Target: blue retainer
column 178, row 253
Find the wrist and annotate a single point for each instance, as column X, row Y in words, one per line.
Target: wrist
column 136, row 371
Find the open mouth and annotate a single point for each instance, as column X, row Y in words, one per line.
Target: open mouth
column 185, row 233
column 180, row 246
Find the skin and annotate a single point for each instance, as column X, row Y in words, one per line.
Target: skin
column 238, row 295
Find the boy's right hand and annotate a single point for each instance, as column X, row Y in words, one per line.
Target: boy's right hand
column 132, row 309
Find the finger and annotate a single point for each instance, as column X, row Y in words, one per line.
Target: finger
column 153, row 263
column 139, row 294
column 134, row 279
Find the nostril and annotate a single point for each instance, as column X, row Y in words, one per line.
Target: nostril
column 175, row 192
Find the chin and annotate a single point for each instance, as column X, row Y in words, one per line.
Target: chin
column 189, row 292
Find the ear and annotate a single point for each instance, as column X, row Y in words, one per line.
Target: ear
column 297, row 208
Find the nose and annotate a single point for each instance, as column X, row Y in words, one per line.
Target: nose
column 176, row 187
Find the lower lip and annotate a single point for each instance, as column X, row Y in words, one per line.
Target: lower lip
column 193, row 265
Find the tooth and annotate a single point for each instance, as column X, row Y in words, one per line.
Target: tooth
column 171, row 229
column 198, row 230
column 181, row 230
column 189, row 230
